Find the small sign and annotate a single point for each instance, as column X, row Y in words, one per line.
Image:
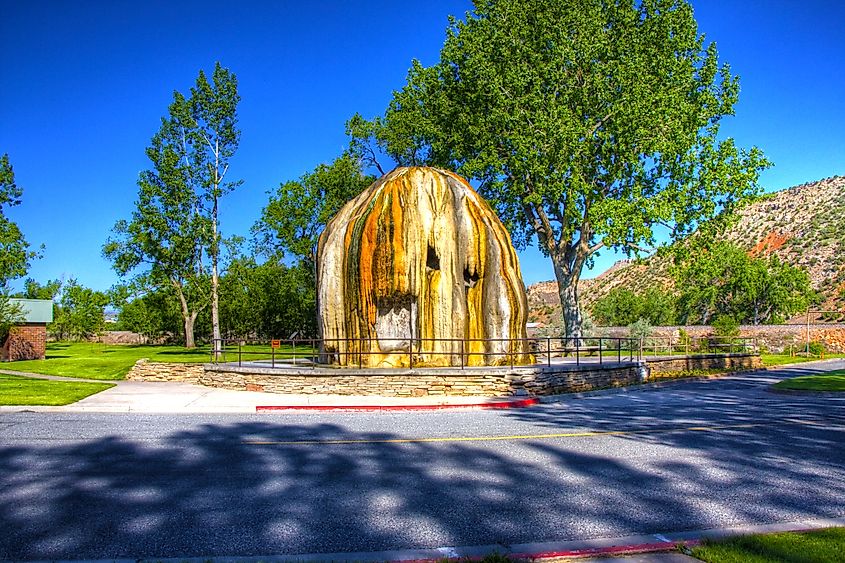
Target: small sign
column 275, row 343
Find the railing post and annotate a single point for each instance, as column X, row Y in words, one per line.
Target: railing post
column 618, row 351
column 293, row 343
column 577, row 351
column 272, row 355
column 600, row 351
column 549, row 350
column 239, row 353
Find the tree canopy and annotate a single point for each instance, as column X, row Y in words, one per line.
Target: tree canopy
column 15, row 254
column 298, row 210
column 587, row 124
column 722, row 279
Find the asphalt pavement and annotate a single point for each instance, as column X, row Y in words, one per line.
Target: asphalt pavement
column 653, row 461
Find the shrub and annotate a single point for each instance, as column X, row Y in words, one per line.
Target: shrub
column 726, row 326
column 816, row 348
column 641, row 328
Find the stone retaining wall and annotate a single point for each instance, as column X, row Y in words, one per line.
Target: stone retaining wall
column 503, row 381
column 145, row 370
column 489, row 382
column 727, row 362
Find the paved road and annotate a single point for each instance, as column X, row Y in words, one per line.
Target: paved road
column 692, row 456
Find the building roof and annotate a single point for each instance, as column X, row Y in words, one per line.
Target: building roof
column 35, row 310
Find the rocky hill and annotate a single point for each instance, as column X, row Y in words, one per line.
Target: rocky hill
column 804, row 226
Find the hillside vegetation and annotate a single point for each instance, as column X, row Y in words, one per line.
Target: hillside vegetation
column 804, row 226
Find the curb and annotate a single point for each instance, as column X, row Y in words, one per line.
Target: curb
column 520, row 403
column 567, row 549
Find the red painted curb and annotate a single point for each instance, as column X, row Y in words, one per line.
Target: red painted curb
column 613, row 550
column 494, row 405
column 578, row 553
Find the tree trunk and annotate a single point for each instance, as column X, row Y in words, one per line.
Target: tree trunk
column 571, row 309
column 215, row 282
column 188, row 317
column 567, row 287
column 189, row 330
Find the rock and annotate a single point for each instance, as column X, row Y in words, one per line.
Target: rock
column 419, row 261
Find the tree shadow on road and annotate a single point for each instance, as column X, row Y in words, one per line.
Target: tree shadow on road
column 276, row 485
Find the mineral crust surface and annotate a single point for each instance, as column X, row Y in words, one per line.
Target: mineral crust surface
column 418, row 270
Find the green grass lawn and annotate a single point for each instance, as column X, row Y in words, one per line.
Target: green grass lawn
column 830, row 381
column 783, row 359
column 109, row 362
column 795, row 547
column 16, row 390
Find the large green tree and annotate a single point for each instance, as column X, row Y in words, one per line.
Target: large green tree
column 622, row 307
column 268, row 300
column 15, row 254
column 213, row 140
column 721, row 279
column 173, row 235
column 80, row 313
column 588, row 124
column 297, row 212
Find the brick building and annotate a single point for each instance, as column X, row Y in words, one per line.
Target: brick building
column 28, row 340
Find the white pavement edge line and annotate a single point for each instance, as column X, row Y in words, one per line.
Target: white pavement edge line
column 535, row 550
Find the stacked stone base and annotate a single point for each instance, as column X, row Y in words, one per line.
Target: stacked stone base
column 431, row 382
column 145, row 370
column 726, row 362
column 488, row 382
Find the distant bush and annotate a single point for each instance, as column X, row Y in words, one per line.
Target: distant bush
column 816, row 348
column 641, row 328
column 725, row 326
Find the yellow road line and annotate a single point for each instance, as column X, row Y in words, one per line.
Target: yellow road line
column 500, row 438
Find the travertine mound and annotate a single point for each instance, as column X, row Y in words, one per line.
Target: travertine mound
column 419, row 265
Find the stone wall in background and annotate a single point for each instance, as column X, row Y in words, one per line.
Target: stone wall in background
column 145, row 370
column 731, row 362
column 771, row 338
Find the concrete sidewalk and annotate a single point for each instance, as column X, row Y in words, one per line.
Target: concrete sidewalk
column 170, row 397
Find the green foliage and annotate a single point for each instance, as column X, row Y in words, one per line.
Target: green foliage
column 14, row 249
column 34, row 290
column 640, row 328
column 10, row 315
column 154, row 314
column 587, row 124
column 268, row 300
column 816, row 348
column 80, row 313
column 621, row 307
column 721, row 278
column 175, row 222
column 725, row 326
column 298, row 211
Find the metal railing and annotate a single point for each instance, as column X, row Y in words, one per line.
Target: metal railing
column 470, row 352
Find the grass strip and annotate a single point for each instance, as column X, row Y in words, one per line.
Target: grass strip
column 89, row 360
column 830, row 381
column 792, row 547
column 784, row 359
column 17, row 390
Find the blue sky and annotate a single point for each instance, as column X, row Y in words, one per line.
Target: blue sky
column 85, row 83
